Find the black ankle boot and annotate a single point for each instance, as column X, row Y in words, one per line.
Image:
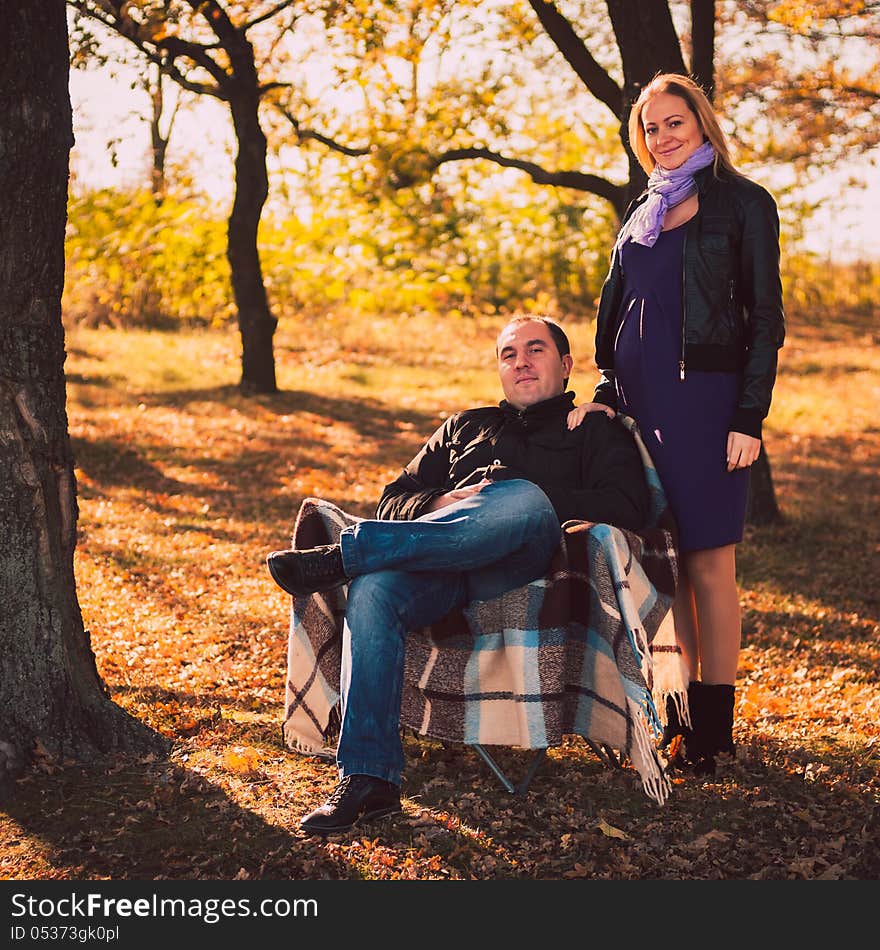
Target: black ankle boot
column 712, row 720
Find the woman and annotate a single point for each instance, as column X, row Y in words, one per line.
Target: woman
column 689, row 324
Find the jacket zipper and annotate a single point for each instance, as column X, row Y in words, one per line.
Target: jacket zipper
column 632, row 303
column 683, row 301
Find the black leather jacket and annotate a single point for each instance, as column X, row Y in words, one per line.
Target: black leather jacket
column 733, row 318
column 591, row 473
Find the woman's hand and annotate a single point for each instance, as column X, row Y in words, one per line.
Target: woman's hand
column 579, row 413
column 742, row 450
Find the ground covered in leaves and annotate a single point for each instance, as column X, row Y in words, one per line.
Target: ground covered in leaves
column 185, row 485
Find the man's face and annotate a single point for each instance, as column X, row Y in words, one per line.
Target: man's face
column 529, row 364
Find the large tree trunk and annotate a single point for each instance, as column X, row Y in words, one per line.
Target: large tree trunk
column 762, row 507
column 255, row 320
column 51, row 696
column 648, row 44
column 703, row 44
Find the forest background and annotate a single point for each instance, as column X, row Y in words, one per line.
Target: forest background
column 400, row 227
column 431, row 168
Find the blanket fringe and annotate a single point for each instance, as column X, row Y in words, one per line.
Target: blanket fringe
column 655, row 781
column 670, row 675
column 303, row 747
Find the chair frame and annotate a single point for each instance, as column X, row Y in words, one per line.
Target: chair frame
column 604, row 753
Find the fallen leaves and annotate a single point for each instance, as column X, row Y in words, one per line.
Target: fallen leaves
column 610, row 831
column 182, row 493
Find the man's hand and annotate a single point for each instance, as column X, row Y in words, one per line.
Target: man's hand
column 457, row 494
column 742, row 450
column 579, row 413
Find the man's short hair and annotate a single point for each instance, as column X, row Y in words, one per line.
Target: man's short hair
column 556, row 331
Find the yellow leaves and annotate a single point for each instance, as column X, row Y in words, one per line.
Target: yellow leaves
column 242, row 760
column 803, row 17
column 124, row 258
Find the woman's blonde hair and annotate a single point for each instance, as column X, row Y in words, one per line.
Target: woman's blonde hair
column 685, row 88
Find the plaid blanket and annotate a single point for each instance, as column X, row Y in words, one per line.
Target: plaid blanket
column 586, row 650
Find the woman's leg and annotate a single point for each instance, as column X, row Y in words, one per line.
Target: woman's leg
column 710, row 607
column 685, row 620
column 711, row 575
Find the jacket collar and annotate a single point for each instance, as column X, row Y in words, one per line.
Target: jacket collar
column 704, row 178
column 555, row 405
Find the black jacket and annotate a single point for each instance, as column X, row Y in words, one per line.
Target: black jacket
column 591, row 473
column 733, row 318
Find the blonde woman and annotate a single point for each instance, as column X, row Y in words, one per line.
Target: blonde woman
column 689, row 324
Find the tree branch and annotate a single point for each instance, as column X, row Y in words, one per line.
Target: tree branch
column 226, row 31
column 303, row 135
column 274, row 84
column 268, row 15
column 591, row 74
column 579, row 181
column 197, row 53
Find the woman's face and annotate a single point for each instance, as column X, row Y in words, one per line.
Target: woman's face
column 672, row 132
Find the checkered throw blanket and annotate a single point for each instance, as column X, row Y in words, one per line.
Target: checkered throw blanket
column 586, row 650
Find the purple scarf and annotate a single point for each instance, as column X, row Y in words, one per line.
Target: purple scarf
column 666, row 189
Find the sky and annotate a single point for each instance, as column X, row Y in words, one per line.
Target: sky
column 105, row 111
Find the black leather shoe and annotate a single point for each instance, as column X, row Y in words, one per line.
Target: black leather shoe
column 355, row 799
column 308, row 571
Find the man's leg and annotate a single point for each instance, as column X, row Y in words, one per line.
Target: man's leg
column 384, row 605
column 510, row 524
column 381, row 608
column 505, row 534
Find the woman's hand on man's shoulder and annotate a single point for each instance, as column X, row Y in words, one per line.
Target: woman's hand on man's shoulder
column 579, row 413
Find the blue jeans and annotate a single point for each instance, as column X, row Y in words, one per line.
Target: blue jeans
column 409, row 574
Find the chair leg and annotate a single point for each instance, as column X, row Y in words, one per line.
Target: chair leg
column 606, row 754
column 537, row 759
column 523, row 786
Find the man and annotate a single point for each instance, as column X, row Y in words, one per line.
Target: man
column 476, row 513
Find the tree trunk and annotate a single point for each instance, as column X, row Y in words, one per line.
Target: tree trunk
column 703, row 44
column 51, row 696
column 648, row 44
column 158, row 142
column 255, row 320
column 762, row 508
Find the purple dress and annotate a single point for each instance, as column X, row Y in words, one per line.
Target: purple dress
column 684, row 423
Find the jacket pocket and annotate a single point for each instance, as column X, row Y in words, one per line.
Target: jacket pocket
column 712, row 242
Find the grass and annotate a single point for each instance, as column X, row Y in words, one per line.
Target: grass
column 185, row 485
